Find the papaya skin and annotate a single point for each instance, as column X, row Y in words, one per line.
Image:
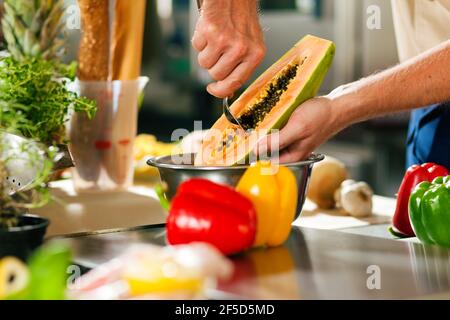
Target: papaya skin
column 315, row 57
column 311, row 87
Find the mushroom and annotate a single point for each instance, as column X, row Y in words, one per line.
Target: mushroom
column 355, row 198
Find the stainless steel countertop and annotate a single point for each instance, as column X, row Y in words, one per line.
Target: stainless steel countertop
column 313, row 264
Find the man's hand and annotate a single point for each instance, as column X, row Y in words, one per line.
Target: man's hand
column 310, row 126
column 230, row 43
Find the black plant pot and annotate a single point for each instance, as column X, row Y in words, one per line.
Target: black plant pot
column 22, row 240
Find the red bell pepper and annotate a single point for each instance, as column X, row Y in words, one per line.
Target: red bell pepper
column 415, row 175
column 203, row 211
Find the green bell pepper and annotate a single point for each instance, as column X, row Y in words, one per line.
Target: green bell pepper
column 429, row 211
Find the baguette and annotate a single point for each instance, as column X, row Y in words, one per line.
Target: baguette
column 127, row 38
column 93, row 58
column 93, row 65
column 126, row 56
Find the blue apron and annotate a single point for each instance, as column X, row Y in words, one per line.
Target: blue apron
column 429, row 135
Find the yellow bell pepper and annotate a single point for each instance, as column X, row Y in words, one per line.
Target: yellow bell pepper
column 273, row 191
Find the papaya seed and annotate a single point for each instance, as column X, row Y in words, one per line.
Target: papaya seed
column 256, row 113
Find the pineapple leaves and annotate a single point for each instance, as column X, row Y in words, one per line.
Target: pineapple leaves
column 33, row 28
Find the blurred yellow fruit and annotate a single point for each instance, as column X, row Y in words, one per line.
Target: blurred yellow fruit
column 153, row 275
column 326, row 178
column 13, row 276
column 146, row 146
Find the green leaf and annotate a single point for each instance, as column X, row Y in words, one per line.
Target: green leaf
column 48, row 272
column 35, row 99
column 159, row 190
column 37, row 22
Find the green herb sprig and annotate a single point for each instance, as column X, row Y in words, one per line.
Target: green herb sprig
column 35, row 99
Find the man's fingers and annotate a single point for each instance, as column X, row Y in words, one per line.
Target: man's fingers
column 289, row 156
column 226, row 64
column 234, row 81
column 209, row 56
column 220, row 90
column 288, row 135
column 298, row 151
column 199, row 42
column 268, row 145
column 280, row 140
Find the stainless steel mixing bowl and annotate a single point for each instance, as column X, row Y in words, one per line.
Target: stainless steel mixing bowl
column 173, row 174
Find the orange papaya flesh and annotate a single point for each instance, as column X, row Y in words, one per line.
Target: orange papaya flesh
column 268, row 103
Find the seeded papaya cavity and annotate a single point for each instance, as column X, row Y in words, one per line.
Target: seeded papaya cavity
column 268, row 103
column 256, row 113
column 229, row 138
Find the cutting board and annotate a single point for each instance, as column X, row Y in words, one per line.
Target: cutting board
column 313, row 217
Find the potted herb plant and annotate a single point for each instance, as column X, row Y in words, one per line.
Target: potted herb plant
column 35, row 103
column 25, row 167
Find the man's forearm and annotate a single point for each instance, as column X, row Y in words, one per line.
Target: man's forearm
column 234, row 7
column 418, row 82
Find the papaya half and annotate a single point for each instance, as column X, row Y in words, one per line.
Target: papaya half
column 268, row 103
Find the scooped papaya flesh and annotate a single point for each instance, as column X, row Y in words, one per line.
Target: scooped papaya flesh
column 255, row 114
column 268, row 103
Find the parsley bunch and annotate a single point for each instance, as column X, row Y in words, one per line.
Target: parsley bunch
column 35, row 100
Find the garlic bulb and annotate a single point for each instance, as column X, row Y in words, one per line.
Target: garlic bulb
column 355, row 198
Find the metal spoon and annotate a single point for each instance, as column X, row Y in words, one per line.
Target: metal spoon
column 230, row 117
